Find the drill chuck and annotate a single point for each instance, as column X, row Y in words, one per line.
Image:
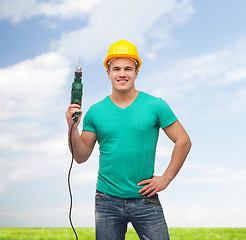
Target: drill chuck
column 78, row 72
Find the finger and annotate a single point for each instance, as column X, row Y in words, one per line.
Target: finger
column 72, row 109
column 143, row 189
column 152, row 194
column 70, row 113
column 144, row 182
column 148, row 190
column 74, row 105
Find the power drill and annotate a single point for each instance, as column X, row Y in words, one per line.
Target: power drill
column 77, row 91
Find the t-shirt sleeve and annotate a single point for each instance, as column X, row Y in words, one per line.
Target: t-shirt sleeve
column 165, row 115
column 88, row 122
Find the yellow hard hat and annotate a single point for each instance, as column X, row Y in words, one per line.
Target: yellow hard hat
column 122, row 48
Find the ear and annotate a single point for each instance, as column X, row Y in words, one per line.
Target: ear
column 107, row 73
column 137, row 72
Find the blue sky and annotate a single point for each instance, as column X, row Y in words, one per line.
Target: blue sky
column 193, row 54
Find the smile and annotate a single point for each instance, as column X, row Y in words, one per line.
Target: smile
column 122, row 81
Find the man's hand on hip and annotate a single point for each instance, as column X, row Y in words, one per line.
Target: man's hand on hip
column 154, row 185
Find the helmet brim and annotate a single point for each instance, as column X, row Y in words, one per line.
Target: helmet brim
column 108, row 58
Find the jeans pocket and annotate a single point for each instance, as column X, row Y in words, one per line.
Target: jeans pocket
column 99, row 196
column 154, row 200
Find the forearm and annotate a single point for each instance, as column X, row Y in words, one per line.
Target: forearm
column 179, row 154
column 80, row 152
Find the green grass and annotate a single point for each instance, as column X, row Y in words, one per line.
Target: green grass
column 89, row 234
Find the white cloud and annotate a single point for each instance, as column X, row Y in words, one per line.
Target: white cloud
column 31, row 93
column 85, row 176
column 66, row 8
column 31, row 100
column 18, row 10
column 218, row 171
column 111, row 20
column 209, row 194
column 14, row 144
column 196, row 214
column 82, row 216
column 188, row 216
column 29, row 87
column 217, row 176
column 189, row 75
column 192, row 165
column 213, row 80
column 176, row 13
column 163, row 150
column 41, row 157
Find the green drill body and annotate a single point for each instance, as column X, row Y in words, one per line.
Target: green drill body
column 77, row 91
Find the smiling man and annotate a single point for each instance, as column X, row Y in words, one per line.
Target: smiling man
column 126, row 125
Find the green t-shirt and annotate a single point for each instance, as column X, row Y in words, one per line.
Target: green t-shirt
column 127, row 141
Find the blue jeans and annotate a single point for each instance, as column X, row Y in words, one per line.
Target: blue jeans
column 146, row 215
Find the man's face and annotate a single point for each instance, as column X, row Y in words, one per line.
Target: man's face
column 122, row 73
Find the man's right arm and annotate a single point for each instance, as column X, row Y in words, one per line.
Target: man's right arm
column 82, row 144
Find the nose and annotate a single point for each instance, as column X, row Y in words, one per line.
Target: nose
column 122, row 73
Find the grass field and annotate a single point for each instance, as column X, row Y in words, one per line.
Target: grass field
column 88, row 234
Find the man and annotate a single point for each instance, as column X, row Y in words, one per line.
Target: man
column 126, row 125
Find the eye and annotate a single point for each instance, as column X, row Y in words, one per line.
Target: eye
column 116, row 69
column 129, row 69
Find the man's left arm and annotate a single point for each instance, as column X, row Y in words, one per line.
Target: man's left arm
column 182, row 146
